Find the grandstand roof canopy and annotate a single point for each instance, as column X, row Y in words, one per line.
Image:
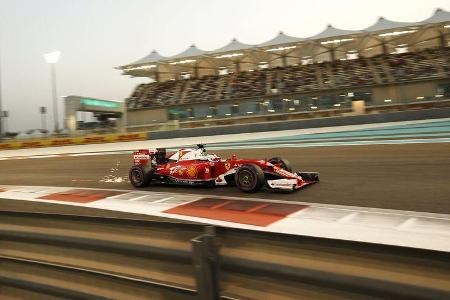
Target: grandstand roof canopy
column 189, row 52
column 331, row 31
column 385, row 36
column 234, row 45
column 385, row 24
column 154, row 56
column 438, row 17
column 280, row 39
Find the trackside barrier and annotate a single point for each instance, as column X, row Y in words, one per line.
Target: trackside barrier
column 376, row 115
column 206, row 262
column 56, row 142
column 63, row 255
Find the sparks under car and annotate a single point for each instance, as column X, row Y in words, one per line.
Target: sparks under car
column 197, row 167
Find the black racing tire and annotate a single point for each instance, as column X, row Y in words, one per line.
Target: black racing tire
column 140, row 176
column 281, row 162
column 249, row 178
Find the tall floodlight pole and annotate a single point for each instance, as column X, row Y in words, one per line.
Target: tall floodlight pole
column 52, row 58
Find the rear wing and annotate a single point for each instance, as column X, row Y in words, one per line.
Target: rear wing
column 143, row 156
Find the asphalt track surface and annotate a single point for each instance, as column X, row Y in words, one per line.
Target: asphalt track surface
column 406, row 177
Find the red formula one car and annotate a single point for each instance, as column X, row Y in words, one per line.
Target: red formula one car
column 197, row 167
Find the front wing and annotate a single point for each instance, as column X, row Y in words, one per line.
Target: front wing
column 307, row 178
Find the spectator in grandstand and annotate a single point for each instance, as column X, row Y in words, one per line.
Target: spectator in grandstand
column 294, row 79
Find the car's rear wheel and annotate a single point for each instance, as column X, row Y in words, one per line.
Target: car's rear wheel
column 140, row 176
column 249, row 178
column 282, row 163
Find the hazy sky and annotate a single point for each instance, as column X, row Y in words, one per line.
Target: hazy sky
column 96, row 35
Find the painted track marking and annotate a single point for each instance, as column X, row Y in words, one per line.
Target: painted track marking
column 382, row 226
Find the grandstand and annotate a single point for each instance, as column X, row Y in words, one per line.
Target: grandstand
column 387, row 63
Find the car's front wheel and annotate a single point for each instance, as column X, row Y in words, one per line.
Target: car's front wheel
column 140, row 176
column 249, row 178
